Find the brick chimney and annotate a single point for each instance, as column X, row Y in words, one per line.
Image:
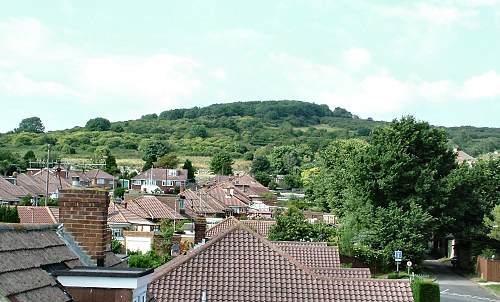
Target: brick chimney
column 200, row 228
column 84, row 214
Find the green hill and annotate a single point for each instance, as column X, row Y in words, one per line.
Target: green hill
column 240, row 128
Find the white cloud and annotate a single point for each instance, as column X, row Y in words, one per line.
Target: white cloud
column 357, row 57
column 481, row 86
column 17, row 84
column 431, row 13
column 436, row 91
column 218, row 74
column 22, row 35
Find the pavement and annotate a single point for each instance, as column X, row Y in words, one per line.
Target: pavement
column 457, row 288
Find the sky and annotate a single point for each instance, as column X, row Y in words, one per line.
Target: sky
column 68, row 61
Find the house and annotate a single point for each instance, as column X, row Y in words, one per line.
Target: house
column 69, row 262
column 11, row 193
column 240, row 265
column 38, row 215
column 100, row 179
column 167, row 180
column 463, row 158
column 200, row 203
column 134, row 232
column 229, row 196
column 262, row 227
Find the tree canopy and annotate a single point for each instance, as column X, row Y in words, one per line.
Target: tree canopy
column 221, row 164
column 31, row 124
column 98, row 124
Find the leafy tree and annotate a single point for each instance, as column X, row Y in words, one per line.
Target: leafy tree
column 116, row 246
column 98, row 124
column 119, row 192
column 155, row 150
column 188, row 165
column 263, row 178
column 31, row 124
column 284, row 160
column 9, row 214
column 167, row 161
column 260, row 165
column 221, row 164
column 198, row 131
column 493, row 224
column 293, row 226
column 8, row 163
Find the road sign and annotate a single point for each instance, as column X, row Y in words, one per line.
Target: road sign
column 409, row 264
column 398, row 255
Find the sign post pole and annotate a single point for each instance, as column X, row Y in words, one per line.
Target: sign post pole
column 398, row 257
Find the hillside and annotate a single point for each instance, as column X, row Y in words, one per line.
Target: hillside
column 240, row 128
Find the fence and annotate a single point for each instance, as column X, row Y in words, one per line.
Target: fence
column 488, row 269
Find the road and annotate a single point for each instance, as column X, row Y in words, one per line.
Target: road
column 456, row 288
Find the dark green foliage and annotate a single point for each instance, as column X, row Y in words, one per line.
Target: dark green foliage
column 285, row 160
column 9, row 214
column 119, row 192
column 31, row 124
column 260, row 165
column 98, row 124
column 116, row 246
column 188, row 165
column 8, row 163
column 292, row 226
column 221, row 164
column 167, row 161
column 155, row 150
column 425, row 291
column 198, row 131
column 149, row 260
column 262, row 178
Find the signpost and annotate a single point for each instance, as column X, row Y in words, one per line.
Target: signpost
column 408, row 265
column 398, row 257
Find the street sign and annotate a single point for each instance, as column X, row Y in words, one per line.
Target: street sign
column 398, row 255
column 409, row 264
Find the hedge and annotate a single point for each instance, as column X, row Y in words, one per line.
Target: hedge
column 425, row 291
column 8, row 214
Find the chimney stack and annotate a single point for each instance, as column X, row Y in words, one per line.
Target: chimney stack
column 200, row 228
column 84, row 214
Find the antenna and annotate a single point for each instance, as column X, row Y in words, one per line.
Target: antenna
column 47, row 184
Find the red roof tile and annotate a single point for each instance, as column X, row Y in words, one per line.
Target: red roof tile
column 262, row 227
column 31, row 214
column 240, row 265
column 150, row 207
column 311, row 254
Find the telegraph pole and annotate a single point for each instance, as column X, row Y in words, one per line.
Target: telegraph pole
column 47, row 183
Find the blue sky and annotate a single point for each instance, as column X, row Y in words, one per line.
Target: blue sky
column 69, row 61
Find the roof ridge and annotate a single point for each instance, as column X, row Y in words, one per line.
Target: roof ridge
column 28, row 227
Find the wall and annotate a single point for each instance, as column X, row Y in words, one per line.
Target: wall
column 138, row 241
column 100, row 294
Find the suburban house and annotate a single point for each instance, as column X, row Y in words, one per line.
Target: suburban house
column 200, row 203
column 262, row 227
column 134, row 232
column 10, row 193
column 69, row 262
column 229, row 196
column 151, row 208
column 240, row 265
column 167, row 180
column 38, row 215
column 463, row 158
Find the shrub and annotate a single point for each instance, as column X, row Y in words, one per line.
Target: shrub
column 116, row 246
column 8, row 214
column 425, row 291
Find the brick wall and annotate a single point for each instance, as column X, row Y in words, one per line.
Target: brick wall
column 84, row 214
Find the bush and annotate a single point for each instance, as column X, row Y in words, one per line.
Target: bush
column 8, row 214
column 116, row 246
column 425, row 291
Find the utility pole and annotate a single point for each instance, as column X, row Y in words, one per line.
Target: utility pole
column 47, row 184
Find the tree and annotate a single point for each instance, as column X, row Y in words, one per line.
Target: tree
column 493, row 224
column 221, row 164
column 188, row 165
column 260, row 165
column 28, row 157
column 293, row 226
column 103, row 154
column 31, row 124
column 8, row 163
column 284, row 160
column 8, row 214
column 155, row 150
column 198, row 131
column 263, row 178
column 119, row 192
column 98, row 124
column 167, row 161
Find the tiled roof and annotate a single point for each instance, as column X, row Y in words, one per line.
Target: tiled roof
column 55, row 183
column 222, row 193
column 161, row 174
column 31, row 214
column 311, row 254
column 23, row 253
column 32, row 185
column 262, row 227
column 119, row 214
column 350, row 273
column 150, row 207
column 96, row 173
column 240, row 265
column 11, row 192
column 200, row 202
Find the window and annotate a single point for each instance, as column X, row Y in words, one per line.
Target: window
column 137, row 182
column 171, row 172
column 117, row 233
column 166, row 183
column 100, row 181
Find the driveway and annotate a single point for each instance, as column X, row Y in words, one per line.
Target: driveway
column 456, row 288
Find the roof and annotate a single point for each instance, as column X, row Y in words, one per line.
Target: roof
column 150, row 207
column 55, row 183
column 228, row 195
column 240, row 265
column 27, row 255
column 30, row 214
column 200, row 202
column 119, row 214
column 161, row 174
column 32, row 185
column 262, row 227
column 11, row 192
column 464, row 157
column 311, row 254
column 350, row 273
column 97, row 173
column 105, row 272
